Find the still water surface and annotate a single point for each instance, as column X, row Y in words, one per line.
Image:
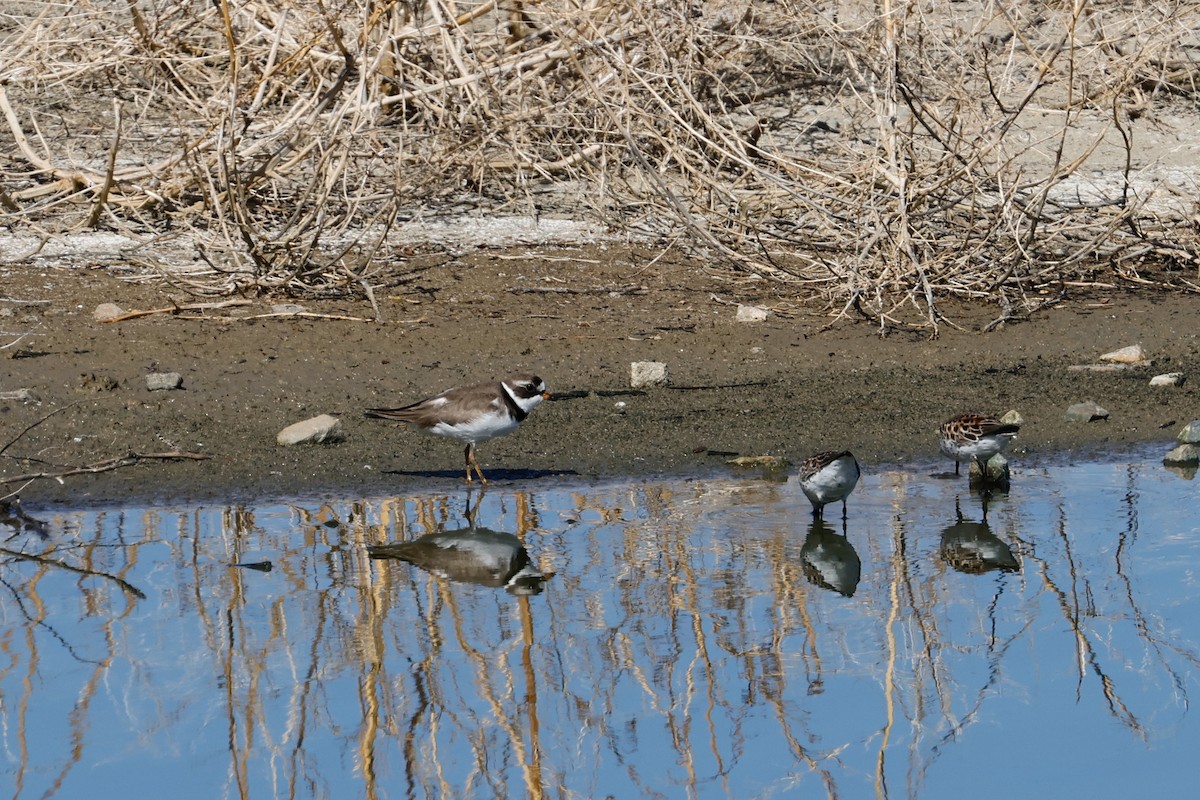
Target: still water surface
column 697, row 638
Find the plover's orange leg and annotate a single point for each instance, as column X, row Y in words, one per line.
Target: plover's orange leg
column 467, row 460
column 472, row 462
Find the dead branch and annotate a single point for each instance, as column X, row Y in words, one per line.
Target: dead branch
column 33, row 425
column 871, row 160
column 175, row 309
column 622, row 290
column 107, row 465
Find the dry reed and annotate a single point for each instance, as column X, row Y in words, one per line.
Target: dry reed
column 878, row 156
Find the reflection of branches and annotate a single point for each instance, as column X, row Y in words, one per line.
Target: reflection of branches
column 1087, row 653
column 997, row 653
column 1139, row 619
column 41, row 623
column 54, row 562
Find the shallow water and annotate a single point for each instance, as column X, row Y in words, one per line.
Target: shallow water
column 680, row 649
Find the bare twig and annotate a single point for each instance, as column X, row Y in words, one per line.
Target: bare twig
column 107, row 465
column 878, row 158
column 33, row 425
column 175, row 309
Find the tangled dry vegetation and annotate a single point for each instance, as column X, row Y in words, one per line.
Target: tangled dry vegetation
column 879, row 156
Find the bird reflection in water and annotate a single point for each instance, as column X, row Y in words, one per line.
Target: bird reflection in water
column 829, row 560
column 471, row 555
column 971, row 547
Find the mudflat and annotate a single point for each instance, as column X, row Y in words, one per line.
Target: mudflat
column 804, row 379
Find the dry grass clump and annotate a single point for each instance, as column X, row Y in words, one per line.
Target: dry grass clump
column 876, row 155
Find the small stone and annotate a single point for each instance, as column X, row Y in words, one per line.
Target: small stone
column 647, row 374
column 287, row 308
column 164, row 381
column 759, row 462
column 1085, row 412
column 19, row 395
column 995, row 472
column 1183, row 454
column 1168, row 379
column 1013, row 418
column 751, row 313
column 106, row 312
column 322, row 429
column 1133, row 354
column 1190, row 433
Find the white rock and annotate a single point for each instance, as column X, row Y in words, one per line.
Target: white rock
column 1183, row 454
column 1190, row 434
column 107, row 311
column 19, row 395
column 644, row 374
column 752, row 313
column 1086, row 412
column 322, row 429
column 1168, row 379
column 996, row 472
column 163, row 381
column 1133, row 354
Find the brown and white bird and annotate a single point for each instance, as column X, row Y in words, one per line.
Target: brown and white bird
column 975, row 436
column 472, row 414
column 828, row 477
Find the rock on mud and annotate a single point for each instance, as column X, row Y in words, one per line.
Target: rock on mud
column 1086, row 412
column 1168, row 379
column 752, row 313
column 647, row 374
column 164, row 381
column 105, row 312
column 1190, row 433
column 1133, row 354
column 322, row 429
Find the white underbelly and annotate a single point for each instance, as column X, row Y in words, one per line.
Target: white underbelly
column 480, row 430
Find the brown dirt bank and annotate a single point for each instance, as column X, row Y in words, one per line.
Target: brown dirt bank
column 788, row 386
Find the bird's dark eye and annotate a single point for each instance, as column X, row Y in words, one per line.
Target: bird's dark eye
column 531, row 387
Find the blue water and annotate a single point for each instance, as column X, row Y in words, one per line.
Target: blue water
column 680, row 648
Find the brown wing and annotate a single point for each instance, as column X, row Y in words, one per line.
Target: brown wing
column 815, row 463
column 456, row 406
column 974, row 426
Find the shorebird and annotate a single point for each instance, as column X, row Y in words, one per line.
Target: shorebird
column 828, row 477
column 472, row 414
column 975, row 436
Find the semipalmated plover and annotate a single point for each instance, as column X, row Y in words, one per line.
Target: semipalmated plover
column 975, row 436
column 828, row 477
column 472, row 414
